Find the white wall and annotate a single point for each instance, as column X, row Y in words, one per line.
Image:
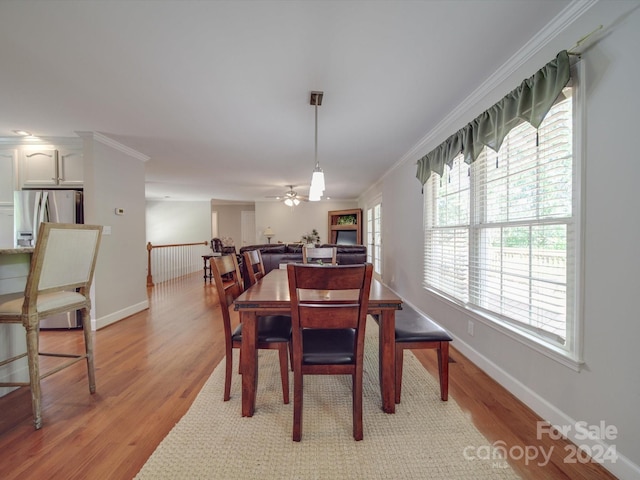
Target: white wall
column 114, row 178
column 178, row 222
column 229, row 221
column 290, row 223
column 607, row 388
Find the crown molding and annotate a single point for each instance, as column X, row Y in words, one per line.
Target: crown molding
column 110, row 142
column 448, row 124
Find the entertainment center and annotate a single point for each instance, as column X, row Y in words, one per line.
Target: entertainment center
column 345, row 227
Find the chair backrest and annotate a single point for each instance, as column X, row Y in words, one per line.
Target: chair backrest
column 216, row 245
column 64, row 259
column 226, row 275
column 320, row 255
column 254, row 265
column 332, row 296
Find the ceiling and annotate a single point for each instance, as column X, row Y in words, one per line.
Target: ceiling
column 216, row 93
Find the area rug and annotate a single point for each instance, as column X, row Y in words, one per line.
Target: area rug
column 425, row 439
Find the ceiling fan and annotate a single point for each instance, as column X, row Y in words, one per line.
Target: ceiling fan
column 291, row 198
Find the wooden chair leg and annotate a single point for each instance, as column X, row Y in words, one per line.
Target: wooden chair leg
column 399, row 359
column 228, row 358
column 284, row 370
column 34, row 374
column 443, row 370
column 290, row 347
column 88, row 347
column 297, row 405
column 357, row 407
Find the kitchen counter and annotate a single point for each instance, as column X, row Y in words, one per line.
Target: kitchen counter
column 12, row 251
column 14, row 269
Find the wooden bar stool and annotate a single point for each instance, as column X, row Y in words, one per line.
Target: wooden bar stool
column 59, row 281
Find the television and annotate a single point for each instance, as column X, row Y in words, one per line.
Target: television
column 346, row 237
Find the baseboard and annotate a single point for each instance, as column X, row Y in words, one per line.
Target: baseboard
column 621, row 467
column 98, row 323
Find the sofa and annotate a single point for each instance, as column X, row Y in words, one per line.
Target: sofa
column 275, row 254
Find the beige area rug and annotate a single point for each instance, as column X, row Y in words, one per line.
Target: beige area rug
column 425, row 439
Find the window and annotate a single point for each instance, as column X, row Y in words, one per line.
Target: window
column 500, row 235
column 374, row 237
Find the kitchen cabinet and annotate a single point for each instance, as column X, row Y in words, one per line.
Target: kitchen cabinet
column 8, row 166
column 51, row 167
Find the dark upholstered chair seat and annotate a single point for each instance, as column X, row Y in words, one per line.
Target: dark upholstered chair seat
column 413, row 327
column 272, row 328
column 323, row 347
column 415, row 331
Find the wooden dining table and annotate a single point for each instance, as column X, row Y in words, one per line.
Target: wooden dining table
column 270, row 296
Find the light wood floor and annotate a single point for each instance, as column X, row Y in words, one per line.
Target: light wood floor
column 151, row 366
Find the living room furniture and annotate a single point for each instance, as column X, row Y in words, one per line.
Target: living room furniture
column 325, row 255
column 271, row 297
column 269, row 233
column 271, row 332
column 275, row 254
column 59, row 280
column 328, row 317
column 207, row 265
column 345, row 226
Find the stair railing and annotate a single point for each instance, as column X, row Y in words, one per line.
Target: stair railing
column 166, row 262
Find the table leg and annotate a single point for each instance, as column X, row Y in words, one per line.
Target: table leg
column 249, row 361
column 387, row 360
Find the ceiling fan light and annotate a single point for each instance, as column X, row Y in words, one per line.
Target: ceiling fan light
column 289, row 202
column 296, row 201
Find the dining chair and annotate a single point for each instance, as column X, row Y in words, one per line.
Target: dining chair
column 329, row 313
column 254, row 272
column 59, row 280
column 274, row 331
column 324, row 255
column 415, row 331
column 254, row 266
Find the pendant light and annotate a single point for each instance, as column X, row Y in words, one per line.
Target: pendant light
column 317, row 178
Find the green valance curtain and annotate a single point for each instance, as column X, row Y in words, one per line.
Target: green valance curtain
column 530, row 102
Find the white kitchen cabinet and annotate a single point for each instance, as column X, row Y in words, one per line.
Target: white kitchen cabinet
column 8, row 165
column 51, row 167
column 70, row 167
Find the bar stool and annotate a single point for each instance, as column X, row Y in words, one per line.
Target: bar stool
column 59, row 281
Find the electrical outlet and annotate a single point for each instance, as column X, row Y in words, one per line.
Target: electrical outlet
column 470, row 328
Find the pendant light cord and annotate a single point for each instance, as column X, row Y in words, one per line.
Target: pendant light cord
column 316, row 146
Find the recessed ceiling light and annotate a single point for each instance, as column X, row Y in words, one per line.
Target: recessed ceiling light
column 22, row 133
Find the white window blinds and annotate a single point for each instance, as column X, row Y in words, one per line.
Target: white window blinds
column 500, row 234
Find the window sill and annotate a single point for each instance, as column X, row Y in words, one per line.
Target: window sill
column 560, row 355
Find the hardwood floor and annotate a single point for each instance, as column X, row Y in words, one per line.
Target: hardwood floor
column 149, row 369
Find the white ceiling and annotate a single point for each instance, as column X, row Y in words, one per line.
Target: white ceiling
column 216, row 93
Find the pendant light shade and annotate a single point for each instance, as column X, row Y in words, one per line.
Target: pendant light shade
column 317, row 178
column 315, row 194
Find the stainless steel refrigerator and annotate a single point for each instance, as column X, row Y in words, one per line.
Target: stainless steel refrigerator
column 32, row 207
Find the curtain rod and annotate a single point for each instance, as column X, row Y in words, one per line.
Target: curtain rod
column 581, row 41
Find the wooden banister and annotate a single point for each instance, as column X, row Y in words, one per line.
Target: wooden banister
column 178, row 247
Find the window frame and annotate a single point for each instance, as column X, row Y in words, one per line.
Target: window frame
column 374, row 236
column 570, row 355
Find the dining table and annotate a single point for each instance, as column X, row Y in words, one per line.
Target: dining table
column 270, row 296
